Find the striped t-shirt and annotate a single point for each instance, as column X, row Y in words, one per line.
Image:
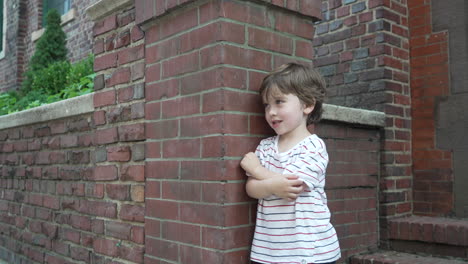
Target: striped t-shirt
column 299, row 231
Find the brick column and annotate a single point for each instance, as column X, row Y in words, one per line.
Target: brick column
column 430, row 82
column 204, row 63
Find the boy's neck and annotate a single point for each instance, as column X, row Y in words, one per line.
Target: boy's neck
column 286, row 142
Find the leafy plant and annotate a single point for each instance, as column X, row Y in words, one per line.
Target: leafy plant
column 58, row 81
column 50, row 48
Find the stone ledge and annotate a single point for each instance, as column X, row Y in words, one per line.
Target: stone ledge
column 353, row 115
column 70, row 107
column 102, row 8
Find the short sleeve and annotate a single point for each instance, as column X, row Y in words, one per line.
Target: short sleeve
column 311, row 164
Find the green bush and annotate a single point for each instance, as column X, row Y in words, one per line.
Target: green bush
column 50, row 48
column 51, row 79
column 58, row 81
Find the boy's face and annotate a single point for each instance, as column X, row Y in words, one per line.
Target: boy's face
column 285, row 113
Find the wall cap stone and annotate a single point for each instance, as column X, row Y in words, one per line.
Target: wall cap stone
column 71, row 107
column 102, row 8
column 353, row 115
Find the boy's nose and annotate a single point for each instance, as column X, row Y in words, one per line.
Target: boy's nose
column 272, row 111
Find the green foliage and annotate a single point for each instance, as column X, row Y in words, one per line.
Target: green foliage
column 58, row 81
column 52, row 78
column 50, row 48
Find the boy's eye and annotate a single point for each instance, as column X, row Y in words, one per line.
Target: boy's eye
column 265, row 105
column 279, row 101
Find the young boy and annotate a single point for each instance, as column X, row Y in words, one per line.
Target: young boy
column 287, row 173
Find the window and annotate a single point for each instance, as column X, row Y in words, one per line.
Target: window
column 2, row 27
column 62, row 7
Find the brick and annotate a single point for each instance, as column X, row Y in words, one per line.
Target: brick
column 80, row 222
column 163, row 129
column 184, row 21
column 251, row 14
column 166, row 249
column 162, row 169
column 181, row 107
column 133, row 213
column 203, row 125
column 106, row 247
column 181, row 191
column 181, row 148
column 211, row 33
column 105, row 173
column 120, row 153
column 231, row 101
column 105, row 25
column 104, row 62
column 165, row 89
column 162, row 209
column 294, row 26
column 153, row 73
column 79, row 253
column 118, row 192
column 181, row 64
column 226, row 54
column 122, row 39
column 185, row 233
column 133, row 132
column 106, row 136
column 270, row 41
column 138, row 71
column 117, row 230
column 104, row 98
column 119, row 76
column 132, row 173
column 98, row 208
column 136, row 33
column 200, row 255
column 137, row 193
column 131, row 54
column 153, row 189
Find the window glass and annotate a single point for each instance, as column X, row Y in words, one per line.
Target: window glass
column 62, row 7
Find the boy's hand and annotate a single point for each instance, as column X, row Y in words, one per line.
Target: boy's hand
column 250, row 163
column 288, row 187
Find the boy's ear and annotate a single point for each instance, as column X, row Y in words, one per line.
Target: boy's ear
column 308, row 109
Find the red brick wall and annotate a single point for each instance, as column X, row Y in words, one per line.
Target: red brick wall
column 433, row 178
column 67, row 197
column 362, row 48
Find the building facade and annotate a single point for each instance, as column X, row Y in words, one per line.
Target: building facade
column 23, row 22
column 148, row 172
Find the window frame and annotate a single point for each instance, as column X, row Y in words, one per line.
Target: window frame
column 3, row 27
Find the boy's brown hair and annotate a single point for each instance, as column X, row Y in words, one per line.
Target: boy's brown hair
column 304, row 82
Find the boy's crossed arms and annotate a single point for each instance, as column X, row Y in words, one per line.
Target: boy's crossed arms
column 263, row 182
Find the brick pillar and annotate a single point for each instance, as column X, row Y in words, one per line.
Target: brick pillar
column 204, row 63
column 433, row 177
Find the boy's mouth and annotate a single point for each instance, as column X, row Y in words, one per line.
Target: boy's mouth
column 276, row 122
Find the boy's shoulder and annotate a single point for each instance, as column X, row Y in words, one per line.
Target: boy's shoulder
column 316, row 142
column 267, row 142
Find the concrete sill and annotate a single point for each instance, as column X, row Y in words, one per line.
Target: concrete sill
column 70, row 107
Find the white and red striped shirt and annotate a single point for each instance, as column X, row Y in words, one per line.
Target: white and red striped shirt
column 299, row 231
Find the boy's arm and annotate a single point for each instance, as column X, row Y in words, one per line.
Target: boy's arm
column 263, row 182
column 251, row 164
column 287, row 187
